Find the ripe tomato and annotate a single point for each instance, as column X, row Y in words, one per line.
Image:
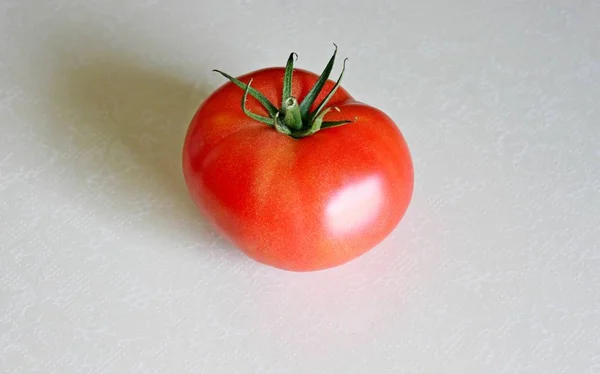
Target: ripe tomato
column 296, row 185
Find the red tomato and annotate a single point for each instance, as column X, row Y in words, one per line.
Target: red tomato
column 289, row 196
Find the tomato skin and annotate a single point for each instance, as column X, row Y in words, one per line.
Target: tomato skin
column 297, row 204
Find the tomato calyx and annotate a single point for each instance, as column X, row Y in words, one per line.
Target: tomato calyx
column 293, row 118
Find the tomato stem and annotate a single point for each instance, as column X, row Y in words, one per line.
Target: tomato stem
column 295, row 119
column 291, row 114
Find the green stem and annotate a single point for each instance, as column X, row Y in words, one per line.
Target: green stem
column 295, row 119
column 291, row 113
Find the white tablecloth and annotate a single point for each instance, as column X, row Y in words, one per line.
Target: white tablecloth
column 106, row 266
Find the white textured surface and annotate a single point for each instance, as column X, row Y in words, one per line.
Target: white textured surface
column 105, row 266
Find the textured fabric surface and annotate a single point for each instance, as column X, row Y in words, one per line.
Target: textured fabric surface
column 106, row 267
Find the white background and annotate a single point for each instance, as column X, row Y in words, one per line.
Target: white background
column 106, row 267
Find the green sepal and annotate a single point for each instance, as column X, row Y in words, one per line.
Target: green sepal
column 287, row 78
column 272, row 109
column 315, row 125
column 313, row 115
column 310, row 98
column 265, row 120
column 294, row 119
column 280, row 127
column 329, row 124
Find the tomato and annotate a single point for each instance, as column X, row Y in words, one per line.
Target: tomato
column 294, row 171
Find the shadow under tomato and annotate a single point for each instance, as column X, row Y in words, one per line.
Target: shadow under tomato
column 120, row 124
